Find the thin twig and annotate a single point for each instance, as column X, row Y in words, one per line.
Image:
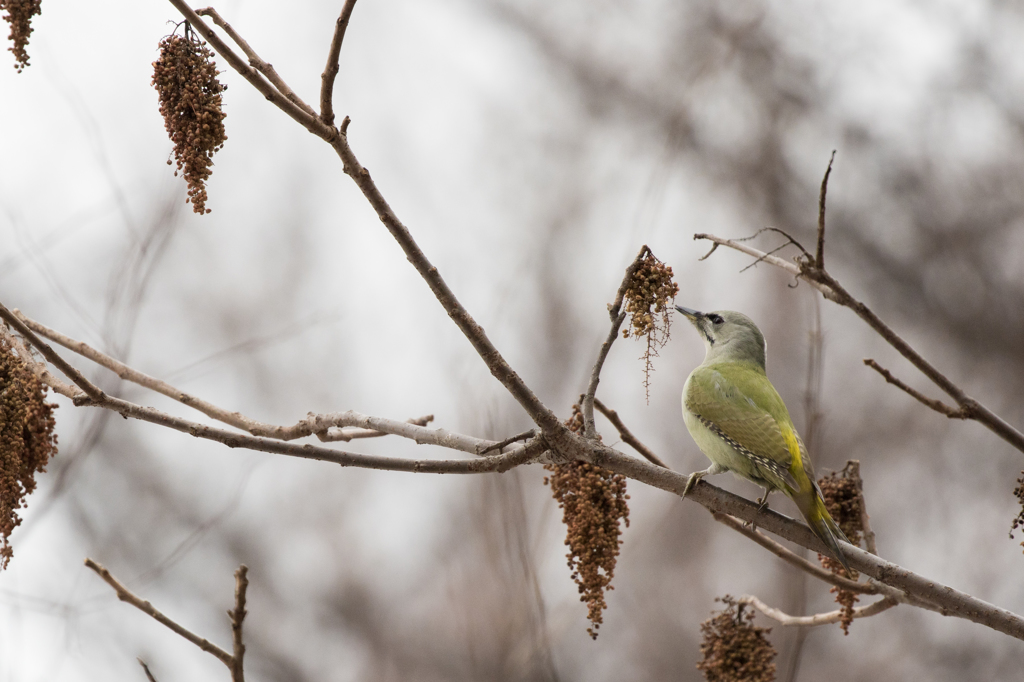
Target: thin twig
column 769, row 253
column 617, row 316
column 263, row 67
column 127, row 373
column 237, row 616
column 714, row 247
column 834, row 291
column 39, row 369
column 819, row 258
column 853, row 466
column 91, row 390
column 145, row 668
column 879, row 606
column 529, row 433
column 937, row 405
column 356, row 433
column 126, row 596
column 626, row 435
column 789, row 238
column 515, row 457
column 331, row 72
column 299, row 430
column 308, row 120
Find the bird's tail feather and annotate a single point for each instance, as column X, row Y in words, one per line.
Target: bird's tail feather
column 825, row 528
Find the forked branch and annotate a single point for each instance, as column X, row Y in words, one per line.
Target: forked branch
column 617, row 316
column 333, row 56
column 877, row 607
column 626, row 435
column 255, row 61
column 232, row 661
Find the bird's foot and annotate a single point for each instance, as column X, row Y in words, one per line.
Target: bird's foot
column 692, row 481
column 762, row 504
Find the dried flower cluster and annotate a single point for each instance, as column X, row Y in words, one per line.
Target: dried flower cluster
column 185, row 77
column 593, row 501
column 734, row 649
column 648, row 299
column 1018, row 492
column 842, row 494
column 19, row 15
column 27, row 441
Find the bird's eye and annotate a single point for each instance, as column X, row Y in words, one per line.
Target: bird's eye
column 717, row 319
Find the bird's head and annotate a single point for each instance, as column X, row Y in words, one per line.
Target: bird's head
column 728, row 335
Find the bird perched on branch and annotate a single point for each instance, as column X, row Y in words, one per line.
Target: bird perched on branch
column 739, row 421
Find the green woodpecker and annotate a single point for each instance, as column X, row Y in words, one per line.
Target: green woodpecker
column 739, row 421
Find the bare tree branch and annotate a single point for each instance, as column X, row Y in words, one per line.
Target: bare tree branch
column 548, row 422
column 125, row 372
column 40, row 369
column 865, row 521
column 237, row 616
column 126, row 596
column 308, row 120
column 92, row 391
column 617, row 316
column 834, row 291
column 314, row 424
column 819, row 257
column 331, row 72
column 937, row 405
column 254, row 60
column 627, row 436
column 356, row 433
column 145, row 668
column 917, row 588
column 515, row 457
column 500, row 445
column 879, row 606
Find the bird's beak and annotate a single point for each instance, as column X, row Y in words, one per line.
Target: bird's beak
column 690, row 312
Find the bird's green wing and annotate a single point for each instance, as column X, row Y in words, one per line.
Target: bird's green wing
column 736, row 401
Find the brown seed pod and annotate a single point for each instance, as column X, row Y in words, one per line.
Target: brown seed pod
column 734, row 649
column 593, row 501
column 27, row 441
column 647, row 302
column 19, row 15
column 185, row 77
column 1018, row 492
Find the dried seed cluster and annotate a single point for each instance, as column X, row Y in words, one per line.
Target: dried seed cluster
column 593, row 501
column 734, row 649
column 648, row 299
column 1018, row 492
column 19, row 15
column 185, row 77
column 27, row 441
column 842, row 494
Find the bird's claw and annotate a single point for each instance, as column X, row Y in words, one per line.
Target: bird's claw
column 690, row 482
